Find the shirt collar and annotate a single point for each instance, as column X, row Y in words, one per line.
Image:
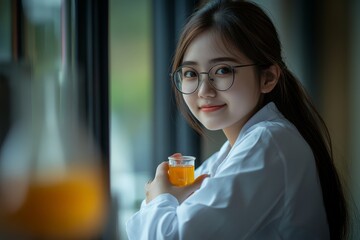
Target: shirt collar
column 267, row 113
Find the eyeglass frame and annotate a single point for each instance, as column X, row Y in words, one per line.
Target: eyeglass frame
column 207, row 73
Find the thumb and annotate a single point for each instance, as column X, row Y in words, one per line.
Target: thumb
column 197, row 183
column 189, row 189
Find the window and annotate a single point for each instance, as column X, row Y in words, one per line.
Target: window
column 131, row 103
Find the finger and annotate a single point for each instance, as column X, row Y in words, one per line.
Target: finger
column 147, row 185
column 162, row 169
column 201, row 178
column 176, row 155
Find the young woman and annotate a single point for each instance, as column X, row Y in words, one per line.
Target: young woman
column 274, row 178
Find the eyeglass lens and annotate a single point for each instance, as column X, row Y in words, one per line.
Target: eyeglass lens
column 187, row 79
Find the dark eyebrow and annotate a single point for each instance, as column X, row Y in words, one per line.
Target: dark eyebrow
column 212, row 61
column 223, row 59
column 188, row 63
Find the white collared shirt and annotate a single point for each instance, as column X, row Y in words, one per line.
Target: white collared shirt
column 265, row 187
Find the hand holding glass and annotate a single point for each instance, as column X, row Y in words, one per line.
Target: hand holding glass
column 181, row 170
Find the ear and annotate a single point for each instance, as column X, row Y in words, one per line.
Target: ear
column 269, row 78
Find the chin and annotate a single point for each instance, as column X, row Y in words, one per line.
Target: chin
column 212, row 126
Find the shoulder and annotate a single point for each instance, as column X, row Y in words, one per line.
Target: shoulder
column 277, row 140
column 269, row 126
column 270, row 141
column 278, row 133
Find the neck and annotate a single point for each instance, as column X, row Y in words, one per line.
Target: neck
column 233, row 132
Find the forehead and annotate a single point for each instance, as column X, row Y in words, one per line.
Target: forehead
column 209, row 45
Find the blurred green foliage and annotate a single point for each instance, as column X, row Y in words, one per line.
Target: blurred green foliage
column 130, row 58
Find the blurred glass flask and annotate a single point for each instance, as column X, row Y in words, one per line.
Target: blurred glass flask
column 51, row 179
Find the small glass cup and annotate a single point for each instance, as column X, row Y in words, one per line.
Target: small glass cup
column 181, row 170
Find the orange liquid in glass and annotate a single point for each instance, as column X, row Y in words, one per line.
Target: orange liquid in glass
column 71, row 208
column 181, row 175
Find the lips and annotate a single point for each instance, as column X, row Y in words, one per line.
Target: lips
column 211, row 108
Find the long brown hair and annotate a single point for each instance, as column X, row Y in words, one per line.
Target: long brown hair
column 245, row 26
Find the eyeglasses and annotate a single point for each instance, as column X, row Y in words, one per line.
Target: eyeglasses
column 221, row 77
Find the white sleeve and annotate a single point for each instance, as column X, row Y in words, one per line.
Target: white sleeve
column 155, row 220
column 246, row 193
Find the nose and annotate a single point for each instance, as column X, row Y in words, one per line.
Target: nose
column 205, row 89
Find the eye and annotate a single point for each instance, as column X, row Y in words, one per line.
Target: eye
column 189, row 74
column 223, row 70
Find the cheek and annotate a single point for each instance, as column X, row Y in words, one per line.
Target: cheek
column 248, row 87
column 190, row 102
column 244, row 96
